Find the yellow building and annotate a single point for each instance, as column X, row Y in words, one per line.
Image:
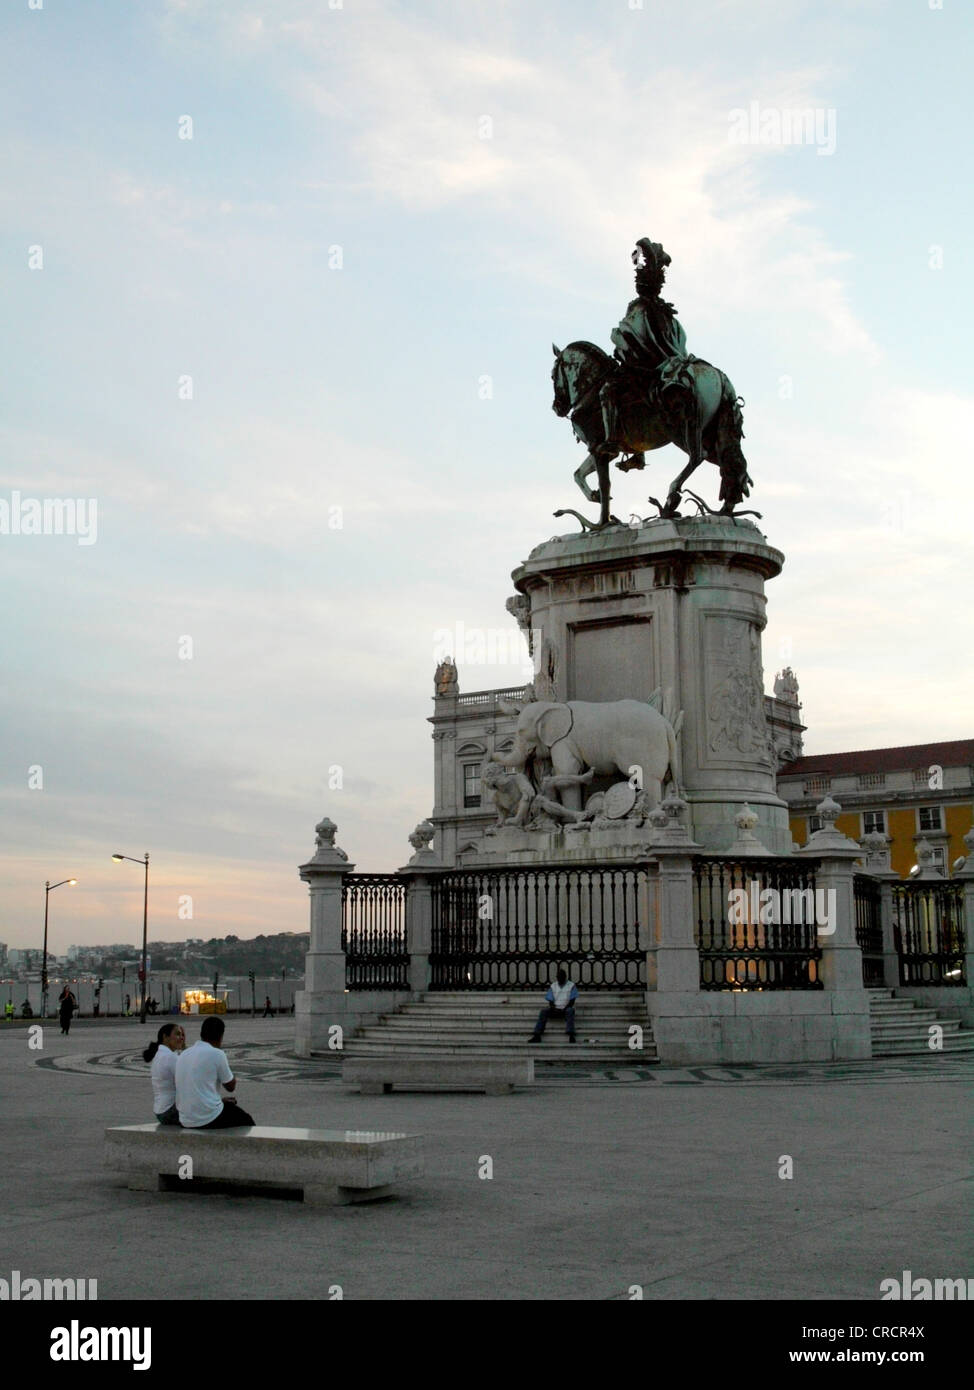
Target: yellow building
column 921, row 792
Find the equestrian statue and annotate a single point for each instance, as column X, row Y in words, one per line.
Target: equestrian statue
column 651, row 392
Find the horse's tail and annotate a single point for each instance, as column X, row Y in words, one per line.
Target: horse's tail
column 735, row 481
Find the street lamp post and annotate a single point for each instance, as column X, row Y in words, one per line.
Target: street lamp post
column 145, row 923
column 49, row 888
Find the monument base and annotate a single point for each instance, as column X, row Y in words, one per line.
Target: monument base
column 727, row 1027
column 676, row 606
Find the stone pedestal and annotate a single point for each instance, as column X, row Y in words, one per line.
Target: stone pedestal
column 677, row 605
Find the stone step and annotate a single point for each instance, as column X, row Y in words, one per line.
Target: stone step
column 475, row 1040
column 530, row 1001
column 949, row 1026
column 899, row 1020
column 896, row 1006
column 595, row 1057
column 499, row 1033
column 612, row 1006
column 956, row 1042
column 477, row 1046
column 474, row 1043
column 567, row 1055
column 501, row 996
column 509, row 1020
column 909, row 1022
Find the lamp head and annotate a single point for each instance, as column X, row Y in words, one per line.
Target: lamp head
column 118, row 858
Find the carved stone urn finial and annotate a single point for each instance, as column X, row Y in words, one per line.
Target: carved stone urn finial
column 966, row 869
column 421, row 840
column 325, row 832
column 876, row 847
column 327, row 854
column 829, row 840
column 422, row 837
column 747, row 842
column 928, row 869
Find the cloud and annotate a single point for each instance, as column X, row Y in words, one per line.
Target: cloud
column 580, row 151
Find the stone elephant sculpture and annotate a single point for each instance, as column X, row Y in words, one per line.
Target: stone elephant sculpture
column 607, row 736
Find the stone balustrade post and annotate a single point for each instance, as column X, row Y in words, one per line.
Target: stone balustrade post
column 419, row 874
column 876, row 863
column 419, row 928
column 841, row 965
column 840, row 968
column 321, row 1005
column 891, row 957
column 966, row 876
column 672, row 960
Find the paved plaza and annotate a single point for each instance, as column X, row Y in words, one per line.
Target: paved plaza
column 603, row 1179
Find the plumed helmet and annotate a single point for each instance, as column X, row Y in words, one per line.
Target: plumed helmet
column 653, row 256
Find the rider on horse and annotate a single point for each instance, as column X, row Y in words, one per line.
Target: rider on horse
column 654, row 368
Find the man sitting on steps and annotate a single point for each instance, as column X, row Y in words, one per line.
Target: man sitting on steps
column 561, row 998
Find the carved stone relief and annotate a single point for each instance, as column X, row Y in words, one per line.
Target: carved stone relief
column 737, row 727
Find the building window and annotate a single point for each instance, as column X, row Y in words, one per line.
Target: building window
column 939, row 860
column 921, row 774
column 817, row 784
column 871, row 779
column 873, row 821
column 471, row 784
column 814, row 824
column 931, row 818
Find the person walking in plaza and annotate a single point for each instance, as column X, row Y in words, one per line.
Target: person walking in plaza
column 200, row 1071
column 268, row 1010
column 128, row 1005
column 66, row 1007
column 170, row 1041
column 560, row 999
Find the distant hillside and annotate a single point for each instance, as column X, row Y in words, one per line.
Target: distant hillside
column 266, row 955
column 229, row 955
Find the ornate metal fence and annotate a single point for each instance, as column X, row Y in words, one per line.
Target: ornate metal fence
column 374, row 931
column 928, row 927
column 869, row 929
column 510, row 929
column 748, row 939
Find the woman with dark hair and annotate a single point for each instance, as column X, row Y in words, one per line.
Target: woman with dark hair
column 66, row 1007
column 162, row 1054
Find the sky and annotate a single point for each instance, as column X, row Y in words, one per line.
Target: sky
column 283, row 278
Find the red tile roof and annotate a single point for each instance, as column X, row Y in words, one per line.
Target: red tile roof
column 959, row 753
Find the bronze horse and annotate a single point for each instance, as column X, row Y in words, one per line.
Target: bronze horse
column 700, row 413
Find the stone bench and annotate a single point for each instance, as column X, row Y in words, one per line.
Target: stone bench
column 332, row 1167
column 496, row 1075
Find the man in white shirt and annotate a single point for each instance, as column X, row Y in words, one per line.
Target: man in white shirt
column 200, row 1071
column 560, row 998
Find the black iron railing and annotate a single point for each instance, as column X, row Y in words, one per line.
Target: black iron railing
column 511, row 929
column 928, row 927
column 374, row 931
column 867, row 895
column 748, row 939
